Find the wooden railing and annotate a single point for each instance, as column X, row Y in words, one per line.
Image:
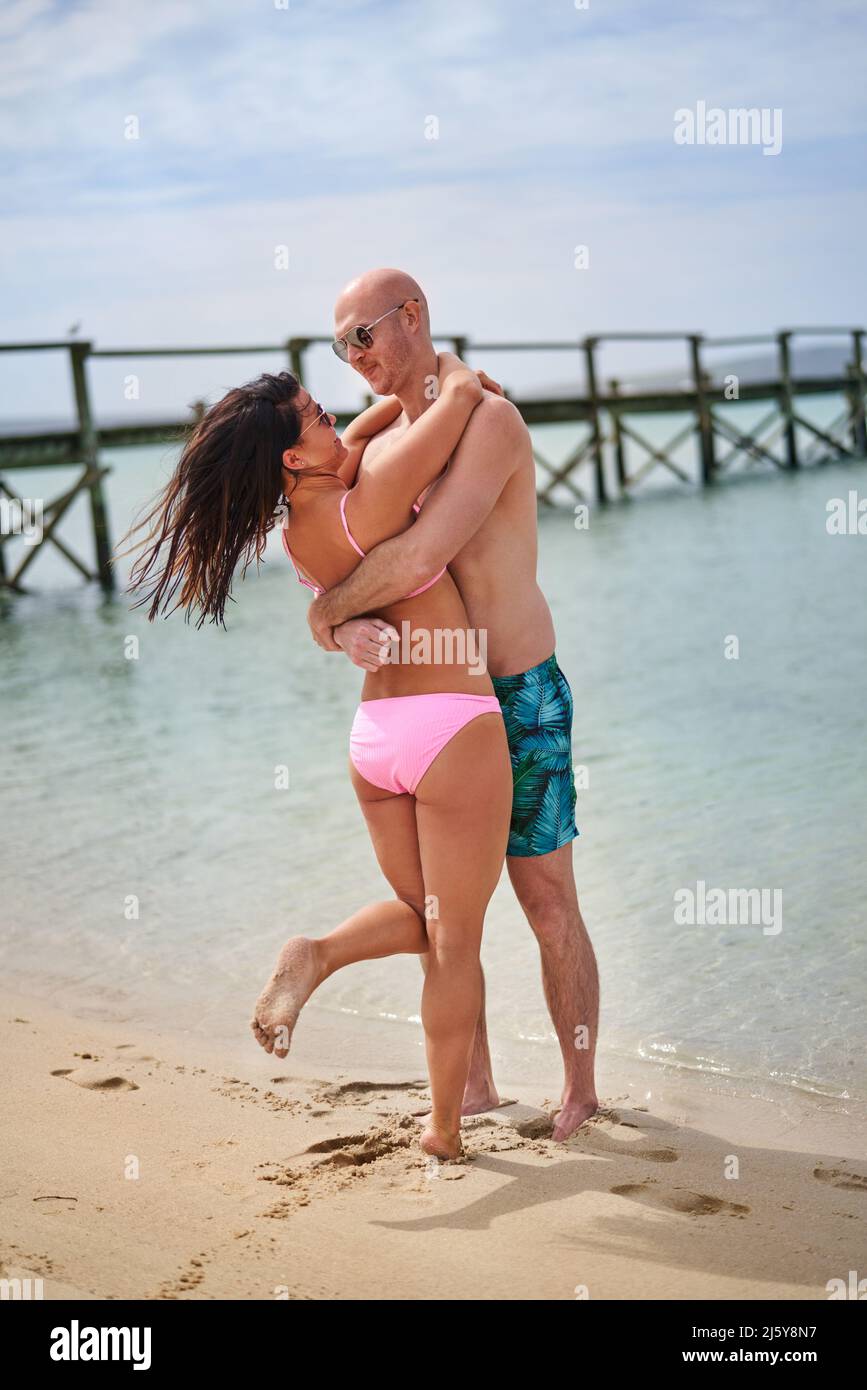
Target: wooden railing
column 611, row 435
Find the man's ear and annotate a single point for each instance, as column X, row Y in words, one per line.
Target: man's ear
column 413, row 315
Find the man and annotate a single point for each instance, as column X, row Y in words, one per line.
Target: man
column 479, row 518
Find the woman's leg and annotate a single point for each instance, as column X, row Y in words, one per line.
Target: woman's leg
column 463, row 808
column 380, row 929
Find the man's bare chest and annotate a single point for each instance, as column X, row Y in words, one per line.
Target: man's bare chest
column 377, row 448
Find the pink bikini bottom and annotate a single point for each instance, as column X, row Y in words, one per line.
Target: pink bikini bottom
column 394, row 741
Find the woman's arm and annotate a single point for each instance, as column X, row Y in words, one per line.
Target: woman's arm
column 371, row 420
column 380, row 504
column 375, row 418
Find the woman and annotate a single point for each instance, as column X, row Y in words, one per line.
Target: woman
column 428, row 754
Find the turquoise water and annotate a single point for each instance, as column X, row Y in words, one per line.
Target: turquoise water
column 154, row 779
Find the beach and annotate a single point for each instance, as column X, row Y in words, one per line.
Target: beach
column 726, row 1160
column 183, row 800
column 639, row 223
column 144, row 1164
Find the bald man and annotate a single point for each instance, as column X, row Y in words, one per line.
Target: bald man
column 479, row 519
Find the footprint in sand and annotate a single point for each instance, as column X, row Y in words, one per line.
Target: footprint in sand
column 350, row 1150
column 340, row 1141
column 841, row 1177
column 357, row 1092
column 605, row 1116
column 655, row 1155
column 345, row 1158
column 233, row 1089
column 599, row 1136
column 634, row 1151
column 96, row 1080
column 187, row 1280
column 680, row 1199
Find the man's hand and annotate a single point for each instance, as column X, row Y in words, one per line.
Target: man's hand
column 321, row 626
column 366, row 641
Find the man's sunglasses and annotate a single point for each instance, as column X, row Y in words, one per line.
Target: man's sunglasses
column 361, row 336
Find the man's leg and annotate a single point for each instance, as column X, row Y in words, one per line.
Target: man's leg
column 545, row 887
column 538, row 711
column 480, row 1092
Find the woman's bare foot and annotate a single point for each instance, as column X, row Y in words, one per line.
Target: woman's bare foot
column 441, row 1143
column 296, row 975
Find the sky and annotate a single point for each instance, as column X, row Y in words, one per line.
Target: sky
column 306, row 125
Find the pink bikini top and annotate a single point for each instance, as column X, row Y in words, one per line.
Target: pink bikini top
column 317, row 588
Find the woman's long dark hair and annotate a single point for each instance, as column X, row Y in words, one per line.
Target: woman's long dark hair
column 220, row 502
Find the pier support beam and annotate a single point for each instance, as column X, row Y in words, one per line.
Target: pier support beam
column 787, row 404
column 296, row 347
column 89, row 449
column 589, row 346
column 617, row 434
column 859, row 427
column 704, row 422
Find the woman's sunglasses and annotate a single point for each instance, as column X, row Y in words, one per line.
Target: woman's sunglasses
column 361, row 336
column 321, row 419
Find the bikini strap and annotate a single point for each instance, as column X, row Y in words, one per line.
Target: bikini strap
column 349, row 536
column 317, row 589
column 428, row 585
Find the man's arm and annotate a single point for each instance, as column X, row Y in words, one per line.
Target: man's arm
column 456, row 507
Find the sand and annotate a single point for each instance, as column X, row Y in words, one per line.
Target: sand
column 146, row 1164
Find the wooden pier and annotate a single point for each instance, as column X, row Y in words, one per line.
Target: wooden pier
column 602, row 467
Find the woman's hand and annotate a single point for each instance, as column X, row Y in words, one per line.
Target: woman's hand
column 489, row 383
column 447, row 364
column 451, row 367
column 455, row 375
column 366, row 641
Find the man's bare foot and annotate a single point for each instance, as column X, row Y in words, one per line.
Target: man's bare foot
column 441, row 1143
column 296, row 975
column 480, row 1094
column 571, row 1115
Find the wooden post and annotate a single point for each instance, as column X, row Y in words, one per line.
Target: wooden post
column 89, row 447
column 459, row 346
column 786, row 400
column 704, row 423
column 296, row 348
column 617, row 434
column 595, row 432
column 859, row 428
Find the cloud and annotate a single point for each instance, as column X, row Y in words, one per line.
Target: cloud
column 306, row 127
